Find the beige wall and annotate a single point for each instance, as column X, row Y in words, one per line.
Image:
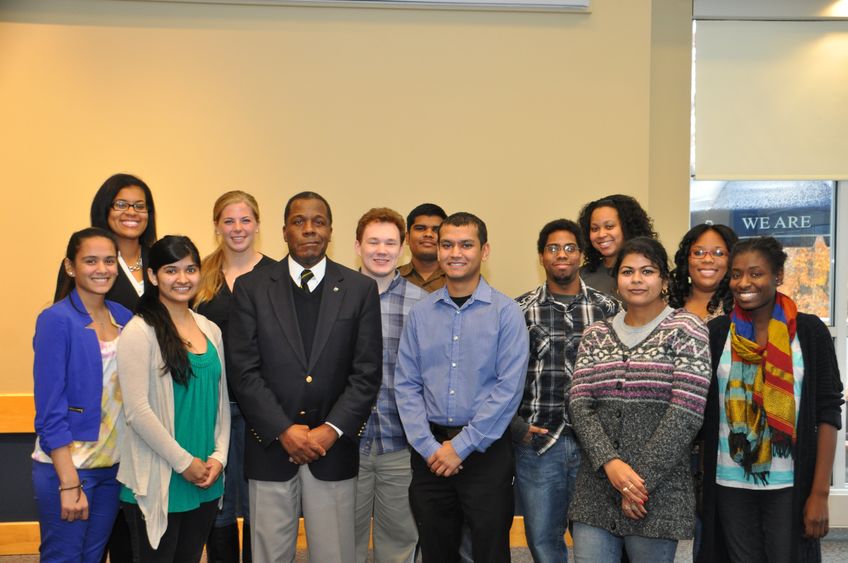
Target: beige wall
column 518, row 117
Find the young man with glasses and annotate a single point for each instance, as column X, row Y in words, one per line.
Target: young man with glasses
column 547, row 453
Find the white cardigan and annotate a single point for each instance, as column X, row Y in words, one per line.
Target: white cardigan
column 149, row 451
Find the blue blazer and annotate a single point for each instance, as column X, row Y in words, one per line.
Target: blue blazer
column 68, row 373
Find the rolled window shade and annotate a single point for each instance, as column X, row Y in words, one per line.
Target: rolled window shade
column 771, row 100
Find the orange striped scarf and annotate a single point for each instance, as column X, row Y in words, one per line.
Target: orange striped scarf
column 759, row 400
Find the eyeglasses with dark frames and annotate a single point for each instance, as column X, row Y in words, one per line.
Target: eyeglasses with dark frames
column 122, row 205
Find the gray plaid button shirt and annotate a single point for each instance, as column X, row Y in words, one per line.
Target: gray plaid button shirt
column 384, row 430
column 555, row 332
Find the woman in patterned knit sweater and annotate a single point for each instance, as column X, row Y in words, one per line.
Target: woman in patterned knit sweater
column 640, row 386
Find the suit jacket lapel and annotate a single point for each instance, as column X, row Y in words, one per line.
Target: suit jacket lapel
column 331, row 302
column 282, row 303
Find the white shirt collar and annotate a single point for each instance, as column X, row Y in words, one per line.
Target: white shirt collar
column 318, row 271
column 138, row 286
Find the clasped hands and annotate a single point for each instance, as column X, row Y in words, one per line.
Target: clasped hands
column 445, row 462
column 203, row 473
column 305, row 445
column 634, row 495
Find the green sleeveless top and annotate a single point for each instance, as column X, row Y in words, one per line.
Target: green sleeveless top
column 195, row 414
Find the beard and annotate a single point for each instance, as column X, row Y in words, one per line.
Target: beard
column 563, row 280
column 427, row 256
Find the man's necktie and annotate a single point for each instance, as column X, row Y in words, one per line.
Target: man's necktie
column 305, row 276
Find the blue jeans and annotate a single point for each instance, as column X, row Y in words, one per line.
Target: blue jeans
column 80, row 540
column 545, row 485
column 236, row 502
column 596, row 545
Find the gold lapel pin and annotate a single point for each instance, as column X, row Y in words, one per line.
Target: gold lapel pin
column 335, row 288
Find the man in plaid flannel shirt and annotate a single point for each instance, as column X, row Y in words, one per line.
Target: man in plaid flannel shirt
column 382, row 488
column 547, row 454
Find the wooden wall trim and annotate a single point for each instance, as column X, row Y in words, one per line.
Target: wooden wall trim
column 19, row 538
column 22, row 538
column 17, row 413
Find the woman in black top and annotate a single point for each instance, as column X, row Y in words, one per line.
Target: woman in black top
column 236, row 219
column 124, row 206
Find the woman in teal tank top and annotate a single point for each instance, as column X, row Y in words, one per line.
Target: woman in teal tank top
column 177, row 412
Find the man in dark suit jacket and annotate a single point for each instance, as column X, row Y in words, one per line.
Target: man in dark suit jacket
column 304, row 354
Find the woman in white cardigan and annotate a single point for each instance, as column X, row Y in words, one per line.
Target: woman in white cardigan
column 171, row 371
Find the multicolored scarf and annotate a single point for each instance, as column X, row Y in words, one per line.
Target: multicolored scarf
column 759, row 400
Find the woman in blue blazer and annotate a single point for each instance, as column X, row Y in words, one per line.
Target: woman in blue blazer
column 78, row 416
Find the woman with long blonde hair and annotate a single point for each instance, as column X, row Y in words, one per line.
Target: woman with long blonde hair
column 236, row 219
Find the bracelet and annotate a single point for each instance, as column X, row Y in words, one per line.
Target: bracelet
column 61, row 489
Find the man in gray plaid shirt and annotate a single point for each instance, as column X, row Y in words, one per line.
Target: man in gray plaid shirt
column 382, row 488
column 547, row 454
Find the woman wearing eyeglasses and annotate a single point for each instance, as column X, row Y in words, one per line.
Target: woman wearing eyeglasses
column 700, row 284
column 124, row 206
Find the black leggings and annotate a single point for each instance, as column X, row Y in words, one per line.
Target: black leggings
column 182, row 541
column 757, row 524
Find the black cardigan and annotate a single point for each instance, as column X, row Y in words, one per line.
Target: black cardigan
column 821, row 403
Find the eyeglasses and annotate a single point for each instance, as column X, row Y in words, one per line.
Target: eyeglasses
column 702, row 253
column 555, row 248
column 121, row 205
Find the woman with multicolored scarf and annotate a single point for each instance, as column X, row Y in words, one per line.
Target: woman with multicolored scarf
column 772, row 415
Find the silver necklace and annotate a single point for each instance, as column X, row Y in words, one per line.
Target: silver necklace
column 137, row 266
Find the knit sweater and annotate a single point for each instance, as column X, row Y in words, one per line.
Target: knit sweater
column 642, row 405
column 821, row 403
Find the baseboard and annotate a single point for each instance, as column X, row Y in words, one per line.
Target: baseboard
column 22, row 538
column 19, row 538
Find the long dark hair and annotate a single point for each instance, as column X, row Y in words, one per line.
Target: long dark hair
column 680, row 285
column 169, row 249
column 102, row 204
column 634, row 222
column 74, row 244
column 100, row 207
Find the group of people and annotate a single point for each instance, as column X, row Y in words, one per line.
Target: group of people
column 396, row 406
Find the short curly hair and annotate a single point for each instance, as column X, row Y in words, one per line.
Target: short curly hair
column 768, row 247
column 634, row 221
column 680, row 285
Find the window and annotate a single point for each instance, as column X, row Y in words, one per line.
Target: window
column 799, row 214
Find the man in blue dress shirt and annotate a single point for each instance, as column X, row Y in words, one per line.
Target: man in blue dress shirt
column 460, row 375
